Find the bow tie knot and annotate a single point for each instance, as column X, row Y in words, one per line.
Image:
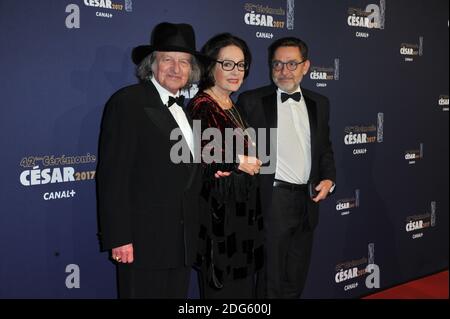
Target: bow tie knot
column 297, row 96
column 176, row 100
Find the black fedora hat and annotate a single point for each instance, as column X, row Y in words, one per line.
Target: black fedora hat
column 168, row 37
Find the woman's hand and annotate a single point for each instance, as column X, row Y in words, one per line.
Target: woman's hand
column 249, row 164
column 123, row 254
column 220, row 174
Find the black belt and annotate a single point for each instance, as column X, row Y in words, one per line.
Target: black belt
column 290, row 186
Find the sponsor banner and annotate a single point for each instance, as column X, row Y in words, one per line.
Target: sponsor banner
column 372, row 17
column 346, row 205
column 411, row 51
column 102, row 9
column 323, row 75
column 411, row 156
column 443, row 102
column 268, row 17
column 359, row 137
column 59, row 173
column 349, row 274
column 417, row 225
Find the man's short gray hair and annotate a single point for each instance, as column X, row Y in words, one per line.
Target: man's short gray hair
column 146, row 68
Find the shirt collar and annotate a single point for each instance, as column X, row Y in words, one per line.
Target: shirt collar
column 279, row 91
column 163, row 92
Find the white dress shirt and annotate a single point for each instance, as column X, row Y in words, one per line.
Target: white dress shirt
column 293, row 141
column 177, row 113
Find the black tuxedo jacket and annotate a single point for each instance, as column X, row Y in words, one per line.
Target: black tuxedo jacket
column 143, row 197
column 260, row 109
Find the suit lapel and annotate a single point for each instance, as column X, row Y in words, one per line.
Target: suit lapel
column 194, row 136
column 271, row 117
column 270, row 110
column 193, row 167
column 311, row 106
column 189, row 118
column 159, row 113
column 161, row 117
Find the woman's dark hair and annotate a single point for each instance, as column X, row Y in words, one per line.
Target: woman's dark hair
column 288, row 42
column 211, row 50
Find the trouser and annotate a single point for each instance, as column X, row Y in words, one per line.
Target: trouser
column 233, row 289
column 289, row 240
column 153, row 283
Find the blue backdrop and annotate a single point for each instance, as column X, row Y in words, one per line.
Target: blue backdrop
column 382, row 63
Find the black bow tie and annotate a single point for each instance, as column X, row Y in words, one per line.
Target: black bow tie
column 297, row 96
column 178, row 100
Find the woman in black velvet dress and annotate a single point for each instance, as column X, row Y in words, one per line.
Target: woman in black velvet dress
column 232, row 227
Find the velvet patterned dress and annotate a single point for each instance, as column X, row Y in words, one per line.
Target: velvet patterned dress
column 231, row 231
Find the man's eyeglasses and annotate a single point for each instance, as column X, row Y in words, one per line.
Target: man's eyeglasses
column 228, row 65
column 291, row 65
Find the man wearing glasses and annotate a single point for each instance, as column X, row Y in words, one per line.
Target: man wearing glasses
column 304, row 166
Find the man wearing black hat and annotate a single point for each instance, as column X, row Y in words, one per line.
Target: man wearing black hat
column 147, row 203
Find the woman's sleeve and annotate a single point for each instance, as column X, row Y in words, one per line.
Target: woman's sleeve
column 204, row 112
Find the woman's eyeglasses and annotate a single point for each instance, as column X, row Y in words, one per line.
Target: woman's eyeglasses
column 228, row 65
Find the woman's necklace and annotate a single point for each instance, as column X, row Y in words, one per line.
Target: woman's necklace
column 233, row 114
column 223, row 103
column 235, row 117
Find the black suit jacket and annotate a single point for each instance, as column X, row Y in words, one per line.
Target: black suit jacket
column 143, row 197
column 260, row 109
